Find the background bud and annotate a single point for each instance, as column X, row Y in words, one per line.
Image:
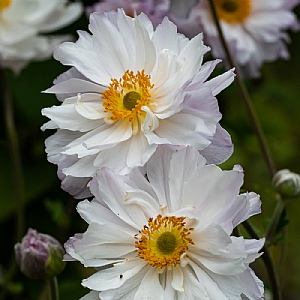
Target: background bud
column 39, row 255
column 287, row 183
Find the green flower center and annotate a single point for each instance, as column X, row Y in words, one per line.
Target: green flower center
column 233, row 11
column 166, row 243
column 130, row 100
column 230, row 6
column 163, row 240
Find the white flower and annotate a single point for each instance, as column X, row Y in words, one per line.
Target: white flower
column 253, row 29
column 22, row 25
column 154, row 9
column 169, row 237
column 130, row 89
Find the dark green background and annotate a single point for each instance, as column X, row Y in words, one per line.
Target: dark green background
column 48, row 209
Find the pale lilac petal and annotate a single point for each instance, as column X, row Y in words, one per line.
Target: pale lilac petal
column 150, row 287
column 110, row 278
column 220, row 149
column 75, row 85
column 206, row 191
column 212, row 290
column 105, row 241
column 182, row 129
column 93, row 295
column 139, row 150
column 246, row 283
column 177, row 280
column 112, row 191
column 66, row 117
column 84, row 60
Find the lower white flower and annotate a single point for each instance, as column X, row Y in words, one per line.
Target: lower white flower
column 168, row 237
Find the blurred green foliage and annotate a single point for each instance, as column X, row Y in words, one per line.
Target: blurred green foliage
column 48, row 209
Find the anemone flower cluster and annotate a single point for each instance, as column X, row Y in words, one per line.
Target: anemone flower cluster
column 24, row 25
column 138, row 130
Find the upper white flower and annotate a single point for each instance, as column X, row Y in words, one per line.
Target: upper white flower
column 169, row 237
column 22, row 23
column 254, row 29
column 130, row 89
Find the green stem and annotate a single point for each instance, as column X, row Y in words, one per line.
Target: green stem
column 15, row 156
column 17, row 171
column 280, row 206
column 266, row 257
column 265, row 153
column 53, row 288
column 246, row 98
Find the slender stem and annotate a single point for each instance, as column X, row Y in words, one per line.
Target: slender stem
column 275, row 218
column 266, row 155
column 17, row 172
column 53, row 288
column 266, row 257
column 246, row 98
column 14, row 151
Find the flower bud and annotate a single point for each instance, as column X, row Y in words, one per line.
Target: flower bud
column 39, row 255
column 287, row 183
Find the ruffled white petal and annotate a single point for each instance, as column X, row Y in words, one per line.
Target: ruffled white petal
column 111, row 279
column 150, row 287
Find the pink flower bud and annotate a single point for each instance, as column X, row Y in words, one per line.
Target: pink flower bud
column 39, row 255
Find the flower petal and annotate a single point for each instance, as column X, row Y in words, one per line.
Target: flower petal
column 111, row 279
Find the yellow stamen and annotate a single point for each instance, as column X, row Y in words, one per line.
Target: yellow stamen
column 125, row 97
column 4, row 4
column 233, row 11
column 162, row 242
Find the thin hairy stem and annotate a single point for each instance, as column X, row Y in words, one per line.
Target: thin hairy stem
column 53, row 288
column 246, row 98
column 266, row 257
column 265, row 153
column 277, row 213
column 16, row 169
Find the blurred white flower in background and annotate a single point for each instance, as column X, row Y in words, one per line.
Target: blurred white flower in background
column 131, row 89
column 154, row 9
column 255, row 30
column 24, row 25
column 169, row 237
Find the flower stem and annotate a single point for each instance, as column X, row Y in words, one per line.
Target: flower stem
column 246, row 98
column 275, row 218
column 266, row 257
column 14, row 150
column 17, row 171
column 265, row 153
column 53, row 288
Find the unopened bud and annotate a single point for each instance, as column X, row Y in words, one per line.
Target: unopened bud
column 39, row 255
column 287, row 183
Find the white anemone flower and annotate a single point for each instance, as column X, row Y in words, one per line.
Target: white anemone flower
column 254, row 30
column 168, row 237
column 23, row 25
column 130, row 89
